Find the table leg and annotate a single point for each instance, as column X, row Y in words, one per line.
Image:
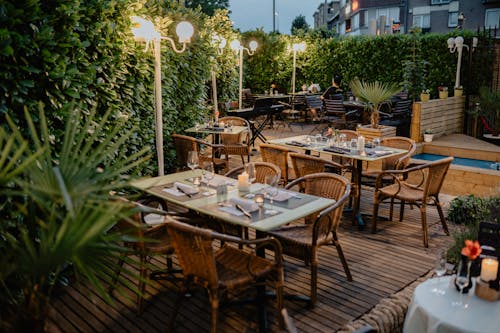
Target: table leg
column 358, row 218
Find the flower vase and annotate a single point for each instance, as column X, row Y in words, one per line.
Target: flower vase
column 464, row 268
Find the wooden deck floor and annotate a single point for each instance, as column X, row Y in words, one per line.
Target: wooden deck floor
column 381, row 264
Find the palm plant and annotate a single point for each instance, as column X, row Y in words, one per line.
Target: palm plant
column 490, row 109
column 57, row 213
column 374, row 95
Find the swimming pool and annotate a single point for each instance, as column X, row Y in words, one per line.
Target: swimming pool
column 461, row 161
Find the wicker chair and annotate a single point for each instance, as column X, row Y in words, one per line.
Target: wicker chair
column 262, row 169
column 237, row 144
column 224, row 270
column 303, row 241
column 278, row 156
column 427, row 190
column 183, row 144
column 306, row 164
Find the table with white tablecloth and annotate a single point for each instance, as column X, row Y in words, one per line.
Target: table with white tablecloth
column 431, row 312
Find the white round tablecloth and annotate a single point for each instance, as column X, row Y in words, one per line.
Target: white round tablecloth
column 430, row 312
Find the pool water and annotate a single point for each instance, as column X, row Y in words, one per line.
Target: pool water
column 461, row 161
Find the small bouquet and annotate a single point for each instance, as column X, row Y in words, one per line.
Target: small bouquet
column 426, row 91
column 471, row 250
column 442, row 88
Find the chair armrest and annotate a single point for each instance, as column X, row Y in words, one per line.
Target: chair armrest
column 397, row 174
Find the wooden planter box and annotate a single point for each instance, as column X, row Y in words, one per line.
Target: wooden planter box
column 380, row 132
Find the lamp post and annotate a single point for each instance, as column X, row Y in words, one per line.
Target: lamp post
column 220, row 43
column 237, row 47
column 457, row 44
column 144, row 30
column 296, row 47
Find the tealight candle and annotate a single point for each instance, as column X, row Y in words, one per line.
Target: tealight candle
column 259, row 199
column 489, row 269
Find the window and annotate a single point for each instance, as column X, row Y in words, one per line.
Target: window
column 439, row 2
column 452, row 19
column 392, row 14
column 492, row 18
column 348, row 25
column 422, row 21
column 355, row 22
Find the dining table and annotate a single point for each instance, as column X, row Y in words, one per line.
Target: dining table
column 434, row 309
column 222, row 198
column 215, row 131
column 308, row 144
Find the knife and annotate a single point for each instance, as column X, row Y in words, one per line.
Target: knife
column 241, row 209
column 181, row 190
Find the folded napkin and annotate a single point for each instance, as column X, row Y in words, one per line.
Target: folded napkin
column 247, row 205
column 377, row 153
column 180, row 189
column 217, row 181
column 231, row 210
column 283, row 196
column 219, row 129
column 296, row 143
column 337, row 150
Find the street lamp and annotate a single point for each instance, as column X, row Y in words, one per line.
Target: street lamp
column 296, row 47
column 219, row 42
column 237, row 47
column 457, row 44
column 144, row 30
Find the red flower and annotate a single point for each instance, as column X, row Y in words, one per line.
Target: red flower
column 471, row 250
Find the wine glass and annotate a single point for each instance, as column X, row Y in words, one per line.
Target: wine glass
column 376, row 143
column 342, row 140
column 250, row 170
column 192, row 160
column 462, row 281
column 271, row 190
column 439, row 270
column 208, row 172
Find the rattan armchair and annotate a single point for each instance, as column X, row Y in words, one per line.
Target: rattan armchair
column 427, row 191
column 262, row 169
column 183, row 144
column 302, row 241
column 306, row 164
column 278, row 156
column 237, row 144
column 226, row 269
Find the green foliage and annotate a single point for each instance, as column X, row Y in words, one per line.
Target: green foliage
column 57, row 212
column 299, row 23
column 466, row 212
column 208, row 7
column 414, row 71
column 490, row 108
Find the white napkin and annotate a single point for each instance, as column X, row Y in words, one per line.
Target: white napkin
column 283, row 196
column 231, row 210
column 186, row 188
column 217, row 181
column 247, row 205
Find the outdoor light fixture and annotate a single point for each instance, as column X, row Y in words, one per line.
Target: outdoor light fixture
column 219, row 42
column 457, row 44
column 144, row 30
column 237, row 47
column 296, row 47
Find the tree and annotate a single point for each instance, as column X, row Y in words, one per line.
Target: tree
column 299, row 23
column 207, row 6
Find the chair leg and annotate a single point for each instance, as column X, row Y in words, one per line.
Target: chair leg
column 441, row 216
column 342, row 257
column 391, row 209
column 242, row 159
column 178, row 301
column 423, row 214
column 214, row 302
column 279, row 302
column 314, row 283
column 402, row 211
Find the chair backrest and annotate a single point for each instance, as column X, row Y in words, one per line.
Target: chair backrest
column 298, row 101
column 278, row 156
column 402, row 108
column 335, row 107
column 314, row 102
column 350, row 134
column 398, row 162
column 248, row 99
column 306, row 164
column 327, row 185
column 228, row 139
column 182, row 145
column 262, row 169
column 193, row 248
column 436, row 172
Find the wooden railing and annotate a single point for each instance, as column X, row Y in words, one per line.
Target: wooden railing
column 442, row 116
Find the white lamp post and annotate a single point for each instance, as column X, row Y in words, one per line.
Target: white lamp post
column 220, row 43
column 297, row 47
column 144, row 30
column 457, row 44
column 237, row 47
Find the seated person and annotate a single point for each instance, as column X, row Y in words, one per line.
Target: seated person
column 334, row 91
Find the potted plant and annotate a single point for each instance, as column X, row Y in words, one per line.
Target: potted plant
column 443, row 92
column 57, row 212
column 459, row 91
column 374, row 95
column 428, row 135
column 414, row 68
column 425, row 95
column 489, row 110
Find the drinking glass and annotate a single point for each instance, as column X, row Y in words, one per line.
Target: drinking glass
column 376, row 142
column 250, row 169
column 354, row 145
column 342, row 140
column 192, row 159
column 208, row 172
column 271, row 190
column 318, row 139
column 462, row 281
column 439, row 270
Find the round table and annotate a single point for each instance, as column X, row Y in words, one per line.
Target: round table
column 430, row 312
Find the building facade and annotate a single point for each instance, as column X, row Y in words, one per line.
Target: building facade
column 373, row 17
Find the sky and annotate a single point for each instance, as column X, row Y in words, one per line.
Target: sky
column 253, row 14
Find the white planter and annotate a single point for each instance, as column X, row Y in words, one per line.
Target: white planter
column 428, row 137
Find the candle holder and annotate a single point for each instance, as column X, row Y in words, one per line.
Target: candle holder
column 484, row 291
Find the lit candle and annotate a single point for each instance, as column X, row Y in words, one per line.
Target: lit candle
column 259, row 199
column 243, row 182
column 489, row 269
